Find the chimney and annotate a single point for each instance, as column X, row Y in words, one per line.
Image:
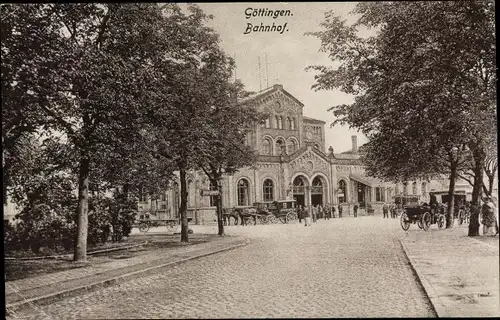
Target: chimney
column 354, row 144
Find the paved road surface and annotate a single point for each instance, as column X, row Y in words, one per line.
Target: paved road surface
column 350, row 267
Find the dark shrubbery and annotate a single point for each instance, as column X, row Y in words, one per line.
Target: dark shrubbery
column 43, row 227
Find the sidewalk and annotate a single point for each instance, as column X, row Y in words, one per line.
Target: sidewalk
column 46, row 288
column 460, row 274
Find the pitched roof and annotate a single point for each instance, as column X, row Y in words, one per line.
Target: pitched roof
column 313, row 120
column 274, row 88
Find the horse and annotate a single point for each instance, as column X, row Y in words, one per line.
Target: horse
column 227, row 213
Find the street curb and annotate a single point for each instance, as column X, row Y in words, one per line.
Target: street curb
column 10, row 308
column 437, row 305
column 482, row 242
column 70, row 255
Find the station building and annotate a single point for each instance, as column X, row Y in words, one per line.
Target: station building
column 293, row 163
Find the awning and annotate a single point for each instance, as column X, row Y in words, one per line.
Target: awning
column 369, row 181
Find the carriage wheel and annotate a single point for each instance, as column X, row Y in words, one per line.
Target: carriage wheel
column 419, row 223
column 405, row 221
column 253, row 221
column 275, row 219
column 171, row 226
column 441, row 221
column 143, row 227
column 269, row 219
column 291, row 216
column 272, row 219
column 426, row 221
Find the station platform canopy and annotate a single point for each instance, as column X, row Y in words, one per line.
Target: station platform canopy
column 369, row 181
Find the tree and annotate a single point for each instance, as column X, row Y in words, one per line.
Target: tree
column 96, row 80
column 419, row 90
column 27, row 36
column 194, row 82
column 223, row 149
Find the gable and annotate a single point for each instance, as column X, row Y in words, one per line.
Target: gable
column 309, row 162
column 267, row 97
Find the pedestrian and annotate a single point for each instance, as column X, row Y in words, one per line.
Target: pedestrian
column 488, row 218
column 356, row 210
column 385, row 210
column 327, row 212
column 393, row 211
column 321, row 212
column 340, row 210
column 307, row 216
column 333, row 211
column 300, row 213
column 314, row 213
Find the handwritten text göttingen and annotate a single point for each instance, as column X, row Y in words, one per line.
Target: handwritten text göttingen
column 252, row 13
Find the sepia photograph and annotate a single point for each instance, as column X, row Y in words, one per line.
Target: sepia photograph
column 241, row 160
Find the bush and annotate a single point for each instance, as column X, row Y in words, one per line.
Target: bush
column 48, row 221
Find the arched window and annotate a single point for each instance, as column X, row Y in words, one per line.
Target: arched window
column 424, row 188
column 298, row 186
column 266, row 146
column 280, row 122
column 379, row 194
column 317, row 186
column 342, row 192
column 276, row 122
column 293, row 126
column 243, row 195
column 292, row 146
column 268, row 190
column 280, row 147
column 213, row 199
column 405, row 188
column 267, row 123
column 414, row 188
column 289, row 123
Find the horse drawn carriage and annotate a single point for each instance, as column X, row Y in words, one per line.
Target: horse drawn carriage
column 424, row 215
column 283, row 211
column 145, row 224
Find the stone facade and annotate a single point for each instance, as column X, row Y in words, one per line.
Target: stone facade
column 293, row 163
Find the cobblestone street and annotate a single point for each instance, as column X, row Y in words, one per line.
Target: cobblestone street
column 350, row 267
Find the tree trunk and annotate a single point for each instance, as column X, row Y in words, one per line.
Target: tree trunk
column 479, row 156
column 451, row 195
column 183, row 207
column 80, row 253
column 220, row 223
column 491, row 179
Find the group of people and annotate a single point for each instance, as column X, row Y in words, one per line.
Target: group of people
column 318, row 212
column 390, row 208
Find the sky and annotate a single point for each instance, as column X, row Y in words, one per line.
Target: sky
column 288, row 54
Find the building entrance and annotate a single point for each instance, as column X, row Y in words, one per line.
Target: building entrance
column 300, row 199
column 299, row 191
column 361, row 193
column 317, row 199
column 317, row 192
